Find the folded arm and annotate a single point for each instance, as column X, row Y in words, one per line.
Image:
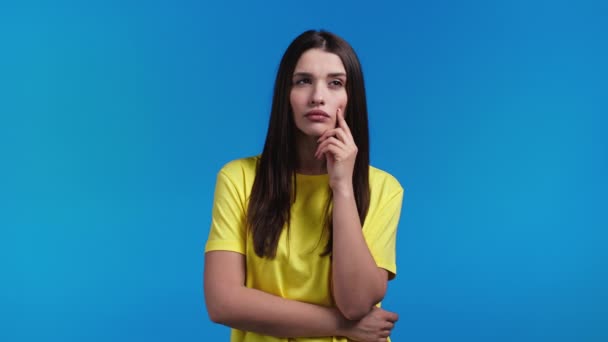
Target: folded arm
column 230, row 303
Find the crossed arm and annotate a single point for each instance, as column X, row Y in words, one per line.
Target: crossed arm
column 230, row 302
column 357, row 285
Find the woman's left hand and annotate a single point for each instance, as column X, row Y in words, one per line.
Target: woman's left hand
column 338, row 147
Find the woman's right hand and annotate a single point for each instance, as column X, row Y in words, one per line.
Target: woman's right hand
column 376, row 326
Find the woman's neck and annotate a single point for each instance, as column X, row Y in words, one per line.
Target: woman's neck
column 306, row 162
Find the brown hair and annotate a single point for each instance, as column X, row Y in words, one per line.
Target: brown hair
column 274, row 190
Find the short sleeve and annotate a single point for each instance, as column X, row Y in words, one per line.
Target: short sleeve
column 380, row 231
column 228, row 220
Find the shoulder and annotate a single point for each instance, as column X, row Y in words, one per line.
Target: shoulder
column 240, row 168
column 383, row 187
column 239, row 175
column 380, row 179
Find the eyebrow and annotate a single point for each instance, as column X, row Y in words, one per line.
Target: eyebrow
column 307, row 74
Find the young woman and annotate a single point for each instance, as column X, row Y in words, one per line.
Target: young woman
column 302, row 240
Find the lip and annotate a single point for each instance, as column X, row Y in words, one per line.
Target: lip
column 317, row 115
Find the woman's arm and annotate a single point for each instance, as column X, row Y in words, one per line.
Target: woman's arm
column 230, row 303
column 358, row 284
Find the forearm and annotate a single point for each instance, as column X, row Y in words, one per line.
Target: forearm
column 357, row 285
column 257, row 311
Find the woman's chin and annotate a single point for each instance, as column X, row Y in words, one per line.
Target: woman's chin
column 315, row 131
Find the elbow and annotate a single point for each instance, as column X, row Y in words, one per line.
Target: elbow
column 220, row 303
column 216, row 313
column 219, row 320
column 353, row 312
column 219, row 308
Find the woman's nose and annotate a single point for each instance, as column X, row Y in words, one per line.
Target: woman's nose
column 317, row 97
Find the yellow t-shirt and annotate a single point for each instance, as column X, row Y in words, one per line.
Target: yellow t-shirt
column 298, row 272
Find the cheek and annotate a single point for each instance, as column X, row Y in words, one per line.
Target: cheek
column 343, row 101
column 297, row 99
column 291, row 99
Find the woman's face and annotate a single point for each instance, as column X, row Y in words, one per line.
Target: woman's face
column 318, row 91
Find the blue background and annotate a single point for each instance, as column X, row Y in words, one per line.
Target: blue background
column 116, row 115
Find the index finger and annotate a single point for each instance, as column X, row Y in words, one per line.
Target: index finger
column 342, row 122
column 392, row 317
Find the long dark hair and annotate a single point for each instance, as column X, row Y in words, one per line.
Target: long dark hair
column 273, row 190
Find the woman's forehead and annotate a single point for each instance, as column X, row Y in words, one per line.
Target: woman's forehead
column 319, row 62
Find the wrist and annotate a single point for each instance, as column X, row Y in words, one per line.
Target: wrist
column 344, row 326
column 343, row 189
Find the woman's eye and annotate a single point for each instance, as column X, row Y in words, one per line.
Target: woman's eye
column 302, row 81
column 336, row 83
